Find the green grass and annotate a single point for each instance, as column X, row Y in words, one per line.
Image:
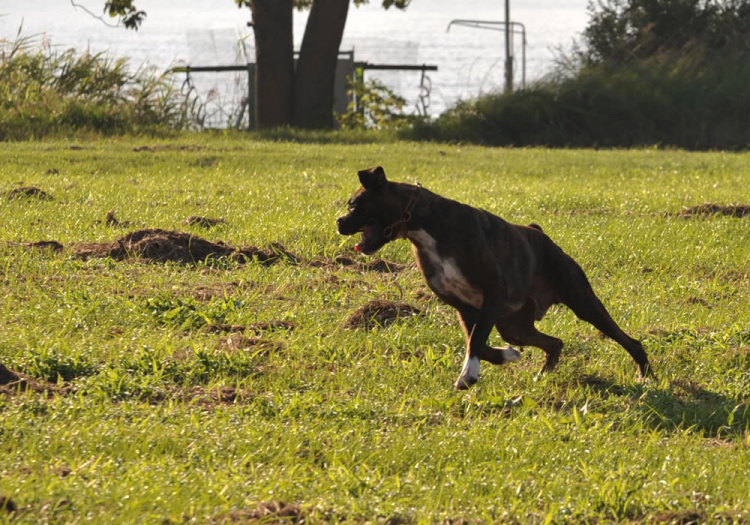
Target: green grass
column 356, row 425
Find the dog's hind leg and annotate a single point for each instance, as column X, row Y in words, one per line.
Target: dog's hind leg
column 518, row 329
column 581, row 299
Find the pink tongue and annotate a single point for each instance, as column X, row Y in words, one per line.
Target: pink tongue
column 357, row 247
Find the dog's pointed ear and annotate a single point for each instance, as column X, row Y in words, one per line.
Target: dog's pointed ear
column 372, row 178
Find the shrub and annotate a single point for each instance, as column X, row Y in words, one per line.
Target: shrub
column 44, row 92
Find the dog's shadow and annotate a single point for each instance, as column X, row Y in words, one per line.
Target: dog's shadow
column 679, row 406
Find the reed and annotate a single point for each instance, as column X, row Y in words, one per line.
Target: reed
column 45, row 92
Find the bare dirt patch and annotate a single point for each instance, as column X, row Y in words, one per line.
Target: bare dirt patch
column 732, row 210
column 256, row 328
column 199, row 396
column 237, row 342
column 48, row 245
column 376, row 265
column 266, row 512
column 203, row 222
column 159, row 245
column 27, row 192
column 7, row 504
column 12, row 382
column 688, row 517
column 696, row 300
column 224, row 289
column 167, row 147
column 379, row 312
column 111, row 220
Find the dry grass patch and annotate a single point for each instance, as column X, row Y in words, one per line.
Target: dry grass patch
column 266, row 512
column 26, row 192
column 732, row 210
column 379, row 312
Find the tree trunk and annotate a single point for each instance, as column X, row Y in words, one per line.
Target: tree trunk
column 274, row 62
column 316, row 67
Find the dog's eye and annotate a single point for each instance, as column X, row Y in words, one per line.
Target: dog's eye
column 352, row 207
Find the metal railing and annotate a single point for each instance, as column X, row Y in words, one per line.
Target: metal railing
column 517, row 28
column 359, row 68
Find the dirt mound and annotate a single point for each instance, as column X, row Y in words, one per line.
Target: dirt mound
column 735, row 210
column 8, row 376
column 379, row 313
column 222, row 289
column 199, row 396
column 376, row 265
column 203, row 222
column 11, row 382
column 26, row 192
column 166, row 245
column 166, row 147
column 49, row 245
column 7, row 504
column 236, row 342
column 265, row 512
column 112, row 221
column 256, row 328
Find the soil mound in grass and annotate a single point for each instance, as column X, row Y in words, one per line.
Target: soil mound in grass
column 735, row 210
column 28, row 192
column 379, row 312
column 8, row 376
column 112, row 221
column 203, row 222
column 237, row 342
column 7, row 504
column 376, row 265
column 166, row 245
column 49, row 245
column 256, row 328
column 11, row 382
column 265, row 512
column 167, row 147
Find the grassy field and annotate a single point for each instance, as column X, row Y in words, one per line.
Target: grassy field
column 225, row 390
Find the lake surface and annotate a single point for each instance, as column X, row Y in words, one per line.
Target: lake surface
column 214, row 32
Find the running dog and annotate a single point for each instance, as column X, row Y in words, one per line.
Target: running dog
column 492, row 272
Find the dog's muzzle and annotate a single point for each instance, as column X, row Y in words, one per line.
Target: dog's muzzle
column 345, row 226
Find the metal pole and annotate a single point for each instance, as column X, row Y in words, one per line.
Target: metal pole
column 508, row 51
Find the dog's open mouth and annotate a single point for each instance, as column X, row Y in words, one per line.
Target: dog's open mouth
column 361, row 246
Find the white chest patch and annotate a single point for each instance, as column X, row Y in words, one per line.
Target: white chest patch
column 447, row 278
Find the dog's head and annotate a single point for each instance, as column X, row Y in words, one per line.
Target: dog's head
column 373, row 210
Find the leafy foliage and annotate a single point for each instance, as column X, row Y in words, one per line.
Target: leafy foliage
column 374, row 106
column 624, row 30
column 131, row 16
column 648, row 72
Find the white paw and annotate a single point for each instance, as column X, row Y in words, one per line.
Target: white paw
column 510, row 354
column 469, row 373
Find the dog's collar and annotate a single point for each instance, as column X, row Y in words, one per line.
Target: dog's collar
column 398, row 228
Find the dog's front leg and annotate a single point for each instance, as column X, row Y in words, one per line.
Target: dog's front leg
column 477, row 326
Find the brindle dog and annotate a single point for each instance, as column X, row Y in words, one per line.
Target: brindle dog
column 492, row 272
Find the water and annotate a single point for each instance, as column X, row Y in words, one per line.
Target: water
column 206, row 32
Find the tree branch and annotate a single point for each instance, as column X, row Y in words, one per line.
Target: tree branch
column 99, row 17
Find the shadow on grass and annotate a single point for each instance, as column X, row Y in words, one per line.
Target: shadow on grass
column 680, row 406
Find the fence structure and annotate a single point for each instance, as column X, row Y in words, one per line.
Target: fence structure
column 346, row 69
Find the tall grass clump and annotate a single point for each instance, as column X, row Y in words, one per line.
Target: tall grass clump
column 671, row 74
column 45, row 92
